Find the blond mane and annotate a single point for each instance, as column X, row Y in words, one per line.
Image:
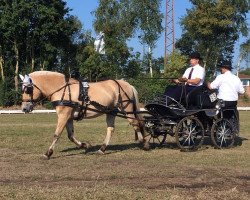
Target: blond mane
column 46, row 73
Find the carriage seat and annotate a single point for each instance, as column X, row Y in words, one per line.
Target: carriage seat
column 201, row 98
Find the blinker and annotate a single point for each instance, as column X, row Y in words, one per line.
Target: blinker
column 28, row 89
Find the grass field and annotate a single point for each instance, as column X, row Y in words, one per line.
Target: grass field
column 124, row 172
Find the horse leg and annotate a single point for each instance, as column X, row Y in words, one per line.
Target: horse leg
column 63, row 114
column 110, row 120
column 70, row 131
column 139, row 131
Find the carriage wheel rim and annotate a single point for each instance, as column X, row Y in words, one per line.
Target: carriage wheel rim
column 222, row 134
column 192, row 134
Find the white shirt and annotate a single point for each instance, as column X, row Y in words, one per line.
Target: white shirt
column 198, row 72
column 229, row 86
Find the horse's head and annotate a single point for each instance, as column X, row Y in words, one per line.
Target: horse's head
column 30, row 93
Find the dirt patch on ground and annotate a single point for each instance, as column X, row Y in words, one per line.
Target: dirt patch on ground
column 129, row 174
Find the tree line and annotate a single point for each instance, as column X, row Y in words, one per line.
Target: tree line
column 43, row 35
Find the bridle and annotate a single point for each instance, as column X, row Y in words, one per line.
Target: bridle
column 28, row 88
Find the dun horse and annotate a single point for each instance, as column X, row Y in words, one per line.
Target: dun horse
column 105, row 97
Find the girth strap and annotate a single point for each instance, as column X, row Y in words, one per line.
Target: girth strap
column 115, row 111
column 65, row 103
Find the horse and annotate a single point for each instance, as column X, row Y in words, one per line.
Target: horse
column 110, row 97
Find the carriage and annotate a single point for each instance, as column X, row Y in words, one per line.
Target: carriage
column 196, row 116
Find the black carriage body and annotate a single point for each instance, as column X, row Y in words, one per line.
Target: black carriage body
column 198, row 115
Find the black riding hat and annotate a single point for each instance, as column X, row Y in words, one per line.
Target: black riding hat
column 195, row 55
column 225, row 64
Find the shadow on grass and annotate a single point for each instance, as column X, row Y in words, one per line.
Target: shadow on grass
column 113, row 148
column 124, row 147
column 239, row 141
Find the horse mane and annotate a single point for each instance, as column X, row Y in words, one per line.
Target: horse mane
column 46, row 73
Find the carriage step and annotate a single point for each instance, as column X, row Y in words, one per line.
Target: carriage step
column 150, row 118
column 169, row 121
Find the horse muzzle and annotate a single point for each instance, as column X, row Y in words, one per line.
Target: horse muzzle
column 27, row 107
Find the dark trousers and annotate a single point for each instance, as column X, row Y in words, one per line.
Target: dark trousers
column 177, row 92
column 230, row 104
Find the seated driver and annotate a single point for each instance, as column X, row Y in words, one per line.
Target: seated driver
column 192, row 77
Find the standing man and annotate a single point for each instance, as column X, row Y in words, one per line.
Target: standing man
column 192, row 77
column 229, row 86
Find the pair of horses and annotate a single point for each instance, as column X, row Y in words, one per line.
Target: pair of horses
column 104, row 97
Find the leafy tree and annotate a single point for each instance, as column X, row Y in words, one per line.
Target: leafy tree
column 36, row 34
column 119, row 20
column 177, row 64
column 14, row 25
column 212, row 28
column 113, row 20
column 149, row 20
column 245, row 51
column 133, row 69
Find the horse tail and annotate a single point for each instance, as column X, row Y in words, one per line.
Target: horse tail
column 136, row 109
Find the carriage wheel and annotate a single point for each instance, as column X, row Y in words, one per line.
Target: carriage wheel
column 156, row 139
column 189, row 133
column 223, row 133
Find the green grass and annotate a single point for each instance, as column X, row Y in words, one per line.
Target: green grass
column 124, row 172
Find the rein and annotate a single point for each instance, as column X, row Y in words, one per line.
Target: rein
column 48, row 96
column 102, row 109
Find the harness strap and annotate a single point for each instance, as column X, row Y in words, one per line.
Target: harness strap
column 103, row 110
column 65, row 103
column 67, row 85
column 98, row 107
column 120, row 101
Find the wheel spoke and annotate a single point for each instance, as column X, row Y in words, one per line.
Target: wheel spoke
column 189, row 133
column 222, row 133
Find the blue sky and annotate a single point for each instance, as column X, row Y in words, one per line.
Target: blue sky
column 83, row 8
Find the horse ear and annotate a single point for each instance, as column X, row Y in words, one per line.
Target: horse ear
column 21, row 77
column 27, row 79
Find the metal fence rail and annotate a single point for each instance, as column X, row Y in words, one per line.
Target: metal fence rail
column 21, row 112
column 54, row 111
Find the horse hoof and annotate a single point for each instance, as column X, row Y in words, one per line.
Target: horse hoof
column 141, row 141
column 146, row 147
column 48, row 154
column 85, row 145
column 46, row 157
column 100, row 152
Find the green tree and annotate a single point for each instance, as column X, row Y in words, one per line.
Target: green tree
column 176, row 65
column 149, row 19
column 133, row 69
column 245, row 51
column 36, row 35
column 112, row 18
column 119, row 20
column 212, row 28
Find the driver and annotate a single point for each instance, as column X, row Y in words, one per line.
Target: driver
column 192, row 77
